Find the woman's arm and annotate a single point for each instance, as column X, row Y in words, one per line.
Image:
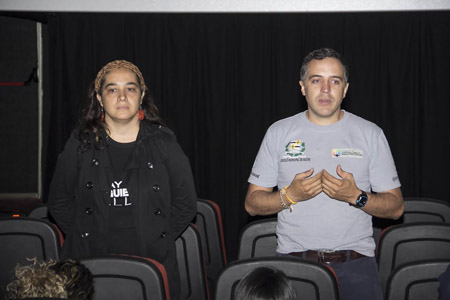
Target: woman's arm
column 184, row 198
column 61, row 198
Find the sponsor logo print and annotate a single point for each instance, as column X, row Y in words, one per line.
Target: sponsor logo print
column 254, row 174
column 347, row 153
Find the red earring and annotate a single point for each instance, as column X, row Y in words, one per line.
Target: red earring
column 141, row 113
column 102, row 115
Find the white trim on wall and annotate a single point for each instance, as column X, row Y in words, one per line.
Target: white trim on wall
column 230, row 6
column 40, row 65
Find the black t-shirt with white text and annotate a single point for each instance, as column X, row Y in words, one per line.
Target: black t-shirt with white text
column 122, row 237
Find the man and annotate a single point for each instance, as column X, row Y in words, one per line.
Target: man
column 325, row 162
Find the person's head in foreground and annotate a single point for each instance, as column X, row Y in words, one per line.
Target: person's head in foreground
column 265, row 284
column 66, row 279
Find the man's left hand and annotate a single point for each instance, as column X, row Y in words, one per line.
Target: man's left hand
column 344, row 189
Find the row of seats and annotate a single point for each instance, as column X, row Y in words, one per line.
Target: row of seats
column 419, row 241
column 311, row 281
column 416, row 210
column 131, row 277
column 402, row 250
column 259, row 238
column 200, row 252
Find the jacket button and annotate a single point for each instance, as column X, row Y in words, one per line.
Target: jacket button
column 89, row 185
column 84, row 235
column 157, row 212
column 150, row 165
column 156, row 188
column 88, row 211
column 162, row 235
column 95, row 162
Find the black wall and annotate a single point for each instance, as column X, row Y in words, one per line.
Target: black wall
column 220, row 80
column 19, row 107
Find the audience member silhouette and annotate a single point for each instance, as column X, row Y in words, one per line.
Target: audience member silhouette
column 265, row 284
column 52, row 279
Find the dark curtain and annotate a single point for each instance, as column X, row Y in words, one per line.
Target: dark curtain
column 220, row 80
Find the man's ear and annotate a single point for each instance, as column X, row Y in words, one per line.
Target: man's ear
column 346, row 89
column 302, row 87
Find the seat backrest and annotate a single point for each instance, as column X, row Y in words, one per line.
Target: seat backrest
column 416, row 210
column 22, row 239
column 411, row 242
column 120, row 277
column 258, row 239
column 426, row 210
column 40, row 212
column 191, row 265
column 209, row 224
column 310, row 280
column 416, row 281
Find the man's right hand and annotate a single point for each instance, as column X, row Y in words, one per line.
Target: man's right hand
column 303, row 188
column 264, row 201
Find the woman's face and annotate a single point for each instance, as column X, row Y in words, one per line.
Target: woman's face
column 120, row 96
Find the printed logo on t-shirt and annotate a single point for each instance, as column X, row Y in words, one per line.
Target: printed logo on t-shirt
column 294, row 151
column 295, row 148
column 119, row 195
column 347, row 153
column 254, row 174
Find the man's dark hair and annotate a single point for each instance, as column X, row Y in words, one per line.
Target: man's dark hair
column 320, row 54
column 265, row 284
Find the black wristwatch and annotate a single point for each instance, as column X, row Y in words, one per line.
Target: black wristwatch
column 361, row 200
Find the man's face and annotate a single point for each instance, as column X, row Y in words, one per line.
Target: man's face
column 324, row 88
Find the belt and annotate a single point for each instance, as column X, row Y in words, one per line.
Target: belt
column 328, row 256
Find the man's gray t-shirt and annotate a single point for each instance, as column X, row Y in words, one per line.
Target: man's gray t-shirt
column 295, row 145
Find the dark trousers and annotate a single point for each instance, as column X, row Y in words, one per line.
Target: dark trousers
column 444, row 285
column 357, row 279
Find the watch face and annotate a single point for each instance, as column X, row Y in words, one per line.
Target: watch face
column 362, row 200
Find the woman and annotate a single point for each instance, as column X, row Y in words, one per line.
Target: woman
column 123, row 185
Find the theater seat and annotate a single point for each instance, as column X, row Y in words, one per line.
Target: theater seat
column 194, row 285
column 22, row 238
column 120, row 277
column 258, row 239
column 413, row 242
column 416, row 210
column 40, row 212
column 209, row 224
column 416, row 281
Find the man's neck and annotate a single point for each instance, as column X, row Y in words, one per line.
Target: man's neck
column 325, row 120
